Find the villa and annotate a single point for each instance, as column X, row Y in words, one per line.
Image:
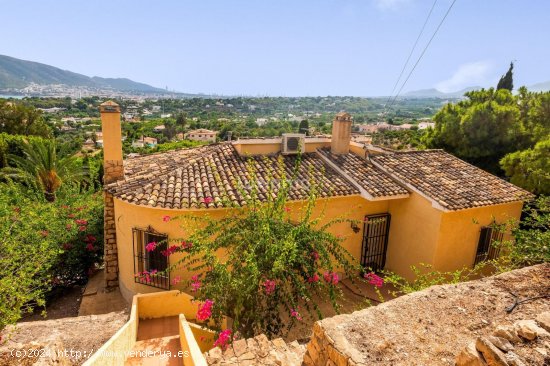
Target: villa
column 414, row 206
column 201, row 134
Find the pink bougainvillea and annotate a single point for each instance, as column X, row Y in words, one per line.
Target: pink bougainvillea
column 313, row 279
column 315, row 255
column 331, row 277
column 90, row 238
column 81, row 222
column 269, row 286
column 195, row 283
column 176, row 280
column 82, row 228
column 171, row 250
column 166, row 218
column 186, row 245
column 151, row 246
column 208, row 200
column 374, row 279
column 295, row 314
column 205, row 310
column 223, row 339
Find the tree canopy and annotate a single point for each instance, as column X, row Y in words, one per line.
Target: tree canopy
column 507, row 80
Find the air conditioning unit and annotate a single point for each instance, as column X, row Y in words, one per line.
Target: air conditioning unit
column 293, row 143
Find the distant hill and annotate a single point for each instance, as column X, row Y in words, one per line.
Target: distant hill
column 544, row 86
column 434, row 93
column 17, row 74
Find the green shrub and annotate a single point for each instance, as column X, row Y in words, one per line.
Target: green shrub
column 45, row 245
column 276, row 269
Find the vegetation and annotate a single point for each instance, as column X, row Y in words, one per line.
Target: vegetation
column 40, row 165
column 490, row 124
column 45, row 246
column 506, row 81
column 19, row 119
column 278, row 264
column 529, row 245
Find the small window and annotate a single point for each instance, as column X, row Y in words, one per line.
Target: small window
column 486, row 248
column 151, row 267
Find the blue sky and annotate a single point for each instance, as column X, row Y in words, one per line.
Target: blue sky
column 282, row 47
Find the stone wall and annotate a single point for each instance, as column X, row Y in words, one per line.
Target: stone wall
column 113, row 171
column 110, row 246
column 450, row 325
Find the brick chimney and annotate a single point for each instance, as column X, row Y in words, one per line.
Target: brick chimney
column 113, row 170
column 341, row 133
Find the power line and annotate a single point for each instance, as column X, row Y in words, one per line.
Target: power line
column 410, row 53
column 423, row 52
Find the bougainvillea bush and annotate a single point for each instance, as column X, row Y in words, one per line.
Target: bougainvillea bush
column 45, row 245
column 264, row 265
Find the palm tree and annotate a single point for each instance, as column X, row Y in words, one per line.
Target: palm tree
column 42, row 166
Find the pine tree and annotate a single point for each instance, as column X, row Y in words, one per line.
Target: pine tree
column 506, row 81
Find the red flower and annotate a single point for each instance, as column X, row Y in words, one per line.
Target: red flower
column 82, row 228
column 90, row 247
column 208, row 200
column 90, row 238
column 71, row 216
column 374, row 279
column 176, row 280
column 166, row 218
column 195, row 284
column 295, row 314
column 314, row 255
column 81, row 222
column 223, row 339
column 313, row 279
column 331, row 277
column 151, row 246
column 287, row 209
column 169, row 251
column 269, row 286
column 68, row 226
column 67, row 246
column 186, row 245
column 205, row 310
column 44, row 233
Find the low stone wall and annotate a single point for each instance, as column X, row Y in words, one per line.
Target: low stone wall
column 433, row 327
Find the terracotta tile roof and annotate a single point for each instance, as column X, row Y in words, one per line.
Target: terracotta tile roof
column 183, row 178
column 370, row 178
column 449, row 181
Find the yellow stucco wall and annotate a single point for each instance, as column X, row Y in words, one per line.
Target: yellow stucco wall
column 419, row 233
column 112, row 137
column 414, row 232
column 129, row 216
column 273, row 146
column 459, row 233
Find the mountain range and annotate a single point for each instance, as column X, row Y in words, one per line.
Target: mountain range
column 434, row 93
column 18, row 74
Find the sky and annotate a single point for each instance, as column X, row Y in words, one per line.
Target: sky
column 283, row 47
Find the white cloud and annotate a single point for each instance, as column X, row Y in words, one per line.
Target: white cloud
column 390, row 4
column 469, row 74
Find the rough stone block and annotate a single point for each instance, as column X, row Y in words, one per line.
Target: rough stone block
column 470, row 356
column 491, row 354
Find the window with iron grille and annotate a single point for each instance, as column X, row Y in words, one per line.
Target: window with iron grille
column 375, row 241
column 151, row 267
column 486, row 248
